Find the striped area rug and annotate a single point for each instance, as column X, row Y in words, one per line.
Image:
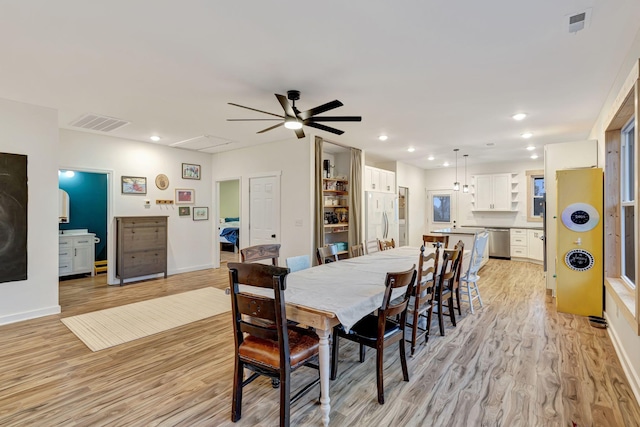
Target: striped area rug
column 107, row 328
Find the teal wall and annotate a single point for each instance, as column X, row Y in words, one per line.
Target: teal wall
column 87, row 206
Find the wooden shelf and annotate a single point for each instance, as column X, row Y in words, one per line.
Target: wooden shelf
column 336, row 206
column 340, row 224
column 336, row 192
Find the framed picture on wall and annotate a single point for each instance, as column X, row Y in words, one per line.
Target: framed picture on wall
column 190, row 171
column 200, row 214
column 184, row 211
column 134, row 185
column 185, row 196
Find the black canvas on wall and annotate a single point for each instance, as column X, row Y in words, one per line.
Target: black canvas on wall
column 13, row 217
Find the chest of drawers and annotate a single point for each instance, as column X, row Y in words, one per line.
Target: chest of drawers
column 141, row 246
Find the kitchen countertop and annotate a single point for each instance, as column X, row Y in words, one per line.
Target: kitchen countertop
column 466, row 230
column 526, row 227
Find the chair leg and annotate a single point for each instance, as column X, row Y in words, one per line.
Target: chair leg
column 403, row 360
column 458, row 300
column 285, row 399
column 236, row 406
column 470, row 297
column 363, row 349
column 452, row 311
column 334, row 356
column 379, row 366
column 475, row 285
column 440, row 317
column 414, row 332
column 429, row 314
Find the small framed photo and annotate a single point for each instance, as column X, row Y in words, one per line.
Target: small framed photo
column 185, row 196
column 200, row 214
column 134, row 185
column 190, row 171
column 184, row 211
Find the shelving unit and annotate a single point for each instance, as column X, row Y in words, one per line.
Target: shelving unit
column 335, row 193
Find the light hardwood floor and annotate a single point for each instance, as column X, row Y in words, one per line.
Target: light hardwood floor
column 516, row 362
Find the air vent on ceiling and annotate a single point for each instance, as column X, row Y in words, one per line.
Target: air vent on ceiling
column 98, row 123
column 579, row 20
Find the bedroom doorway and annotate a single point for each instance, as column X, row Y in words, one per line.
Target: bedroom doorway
column 228, row 229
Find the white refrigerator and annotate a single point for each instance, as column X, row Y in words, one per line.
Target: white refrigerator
column 381, row 216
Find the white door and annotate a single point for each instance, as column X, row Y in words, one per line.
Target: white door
column 264, row 210
column 442, row 209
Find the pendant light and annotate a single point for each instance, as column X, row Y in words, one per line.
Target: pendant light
column 456, row 185
column 465, row 187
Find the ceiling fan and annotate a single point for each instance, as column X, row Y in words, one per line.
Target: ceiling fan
column 295, row 119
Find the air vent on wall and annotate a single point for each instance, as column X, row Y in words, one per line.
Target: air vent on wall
column 579, row 20
column 98, row 123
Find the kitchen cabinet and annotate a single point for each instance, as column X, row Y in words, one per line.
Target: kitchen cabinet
column 518, row 240
column 493, row 193
column 76, row 254
column 535, row 245
column 379, row 180
column 141, row 246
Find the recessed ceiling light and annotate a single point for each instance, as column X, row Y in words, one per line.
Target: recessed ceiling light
column 527, row 135
column 155, row 138
column 445, row 164
column 430, row 158
column 383, row 137
column 531, row 148
column 411, row 149
column 534, row 156
column 519, row 116
column 490, row 144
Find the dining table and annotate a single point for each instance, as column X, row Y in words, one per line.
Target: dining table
column 342, row 292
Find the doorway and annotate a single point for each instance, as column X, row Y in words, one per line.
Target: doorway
column 229, row 220
column 442, row 209
column 403, row 215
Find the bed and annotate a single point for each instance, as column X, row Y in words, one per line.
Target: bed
column 230, row 234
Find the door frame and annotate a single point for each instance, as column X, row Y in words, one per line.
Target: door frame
column 216, row 234
column 453, row 220
column 246, row 225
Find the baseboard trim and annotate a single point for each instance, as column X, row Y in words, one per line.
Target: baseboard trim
column 28, row 315
column 627, row 367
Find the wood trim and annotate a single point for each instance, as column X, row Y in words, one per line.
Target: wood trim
column 531, row 174
column 636, row 91
column 624, row 298
column 612, row 204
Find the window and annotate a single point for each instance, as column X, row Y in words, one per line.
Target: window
column 535, row 195
column 627, row 204
column 441, row 208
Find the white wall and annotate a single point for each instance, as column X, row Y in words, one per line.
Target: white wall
column 443, row 178
column 293, row 160
column 33, row 131
column 190, row 244
column 413, row 178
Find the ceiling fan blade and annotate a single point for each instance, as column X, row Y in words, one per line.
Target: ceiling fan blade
column 325, row 128
column 320, row 109
column 288, row 109
column 253, row 109
column 335, row 119
column 251, row 120
column 299, row 133
column 271, row 127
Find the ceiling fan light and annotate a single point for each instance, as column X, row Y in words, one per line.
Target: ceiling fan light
column 292, row 124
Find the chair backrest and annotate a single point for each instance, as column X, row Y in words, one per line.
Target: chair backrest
column 356, row 250
column 458, row 267
column 327, row 253
column 440, row 238
column 398, row 306
column 448, row 270
column 297, row 263
column 477, row 253
column 372, row 246
column 386, row 244
column 426, row 278
column 261, row 252
column 256, row 315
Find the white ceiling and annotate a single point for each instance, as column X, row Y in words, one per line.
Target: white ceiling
column 434, row 74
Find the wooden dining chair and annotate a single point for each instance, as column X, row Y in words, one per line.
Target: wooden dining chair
column 382, row 329
column 297, row 263
column 261, row 252
column 386, row 244
column 421, row 303
column 440, row 238
column 469, row 279
column 356, row 250
column 273, row 347
column 372, row 246
column 443, row 295
column 455, row 284
column 327, row 254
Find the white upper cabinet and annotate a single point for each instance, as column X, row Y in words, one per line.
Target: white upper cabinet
column 379, row 180
column 493, row 193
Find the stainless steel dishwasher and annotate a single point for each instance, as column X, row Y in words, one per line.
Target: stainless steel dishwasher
column 499, row 243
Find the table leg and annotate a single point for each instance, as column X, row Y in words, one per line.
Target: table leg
column 325, row 366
